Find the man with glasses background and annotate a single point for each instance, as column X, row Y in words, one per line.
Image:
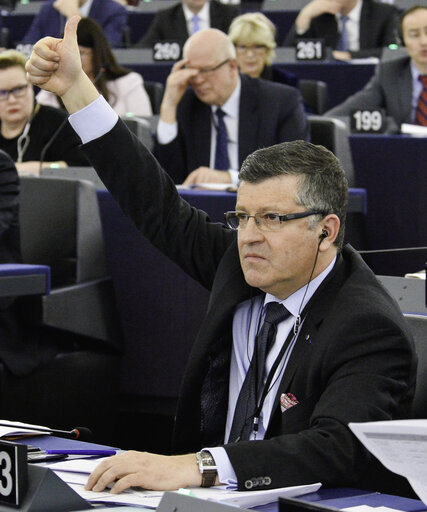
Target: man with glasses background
column 212, row 118
column 299, row 338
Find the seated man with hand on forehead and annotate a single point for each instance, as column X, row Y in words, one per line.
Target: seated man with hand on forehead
column 212, row 118
column 299, row 338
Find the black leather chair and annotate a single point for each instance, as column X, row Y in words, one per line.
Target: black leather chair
column 77, row 321
column 333, row 134
column 315, row 95
column 155, row 92
column 418, row 325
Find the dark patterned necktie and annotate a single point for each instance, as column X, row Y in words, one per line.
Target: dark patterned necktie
column 343, row 40
column 252, row 385
column 421, row 110
column 222, row 162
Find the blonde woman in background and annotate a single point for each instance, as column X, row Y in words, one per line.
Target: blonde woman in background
column 253, row 35
column 30, row 132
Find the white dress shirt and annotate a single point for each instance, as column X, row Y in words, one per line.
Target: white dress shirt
column 247, row 319
column 203, row 15
column 85, row 8
column 352, row 26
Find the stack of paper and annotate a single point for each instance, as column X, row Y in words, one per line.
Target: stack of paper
column 75, row 473
column 401, row 445
column 15, row 429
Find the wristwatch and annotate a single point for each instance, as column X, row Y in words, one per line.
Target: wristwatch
column 207, row 468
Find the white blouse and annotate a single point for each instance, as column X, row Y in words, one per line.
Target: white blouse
column 127, row 96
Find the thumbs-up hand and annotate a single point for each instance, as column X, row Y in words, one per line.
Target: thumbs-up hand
column 55, row 66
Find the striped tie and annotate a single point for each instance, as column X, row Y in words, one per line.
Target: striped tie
column 196, row 25
column 343, row 40
column 421, row 110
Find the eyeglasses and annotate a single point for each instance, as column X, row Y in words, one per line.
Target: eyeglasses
column 207, row 71
column 258, row 49
column 264, row 221
column 17, row 92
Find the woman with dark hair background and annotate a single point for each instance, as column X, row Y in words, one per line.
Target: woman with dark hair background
column 121, row 87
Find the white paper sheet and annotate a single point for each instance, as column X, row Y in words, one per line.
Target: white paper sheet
column 401, row 445
column 20, row 429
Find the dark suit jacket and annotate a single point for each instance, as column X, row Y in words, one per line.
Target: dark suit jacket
column 353, row 360
column 10, row 245
column 390, row 88
column 378, row 24
column 269, row 113
column 18, row 346
column 170, row 24
column 109, row 14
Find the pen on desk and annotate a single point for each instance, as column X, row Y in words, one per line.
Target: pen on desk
column 102, row 453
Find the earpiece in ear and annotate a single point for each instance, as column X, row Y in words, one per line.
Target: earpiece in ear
column 324, row 234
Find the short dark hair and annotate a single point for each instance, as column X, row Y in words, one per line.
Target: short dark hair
column 405, row 13
column 322, row 183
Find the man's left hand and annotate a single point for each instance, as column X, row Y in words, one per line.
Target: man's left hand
column 147, row 470
column 206, row 175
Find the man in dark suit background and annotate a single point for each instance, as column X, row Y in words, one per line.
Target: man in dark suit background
column 369, row 26
column 177, row 23
column 51, row 19
column 396, row 85
column 257, row 113
column 344, row 352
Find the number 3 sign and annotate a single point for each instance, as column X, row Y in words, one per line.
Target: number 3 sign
column 13, row 473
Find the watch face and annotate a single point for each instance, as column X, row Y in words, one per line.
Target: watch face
column 206, row 460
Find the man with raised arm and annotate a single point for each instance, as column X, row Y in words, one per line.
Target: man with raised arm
column 299, row 338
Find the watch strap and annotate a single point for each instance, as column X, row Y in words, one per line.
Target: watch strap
column 209, row 477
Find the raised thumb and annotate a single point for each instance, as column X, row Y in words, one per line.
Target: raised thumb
column 70, row 30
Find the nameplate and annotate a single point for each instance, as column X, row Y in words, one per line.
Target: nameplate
column 367, row 121
column 13, row 473
column 166, row 51
column 310, row 49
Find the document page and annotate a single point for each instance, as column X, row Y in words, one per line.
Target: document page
column 15, row 429
column 401, row 445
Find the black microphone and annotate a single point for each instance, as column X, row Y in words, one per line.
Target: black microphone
column 82, row 433
column 49, row 142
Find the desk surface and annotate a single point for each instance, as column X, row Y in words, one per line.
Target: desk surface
column 341, row 497
column 20, row 279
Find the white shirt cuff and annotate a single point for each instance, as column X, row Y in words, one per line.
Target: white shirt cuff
column 166, row 132
column 94, row 120
column 226, row 474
